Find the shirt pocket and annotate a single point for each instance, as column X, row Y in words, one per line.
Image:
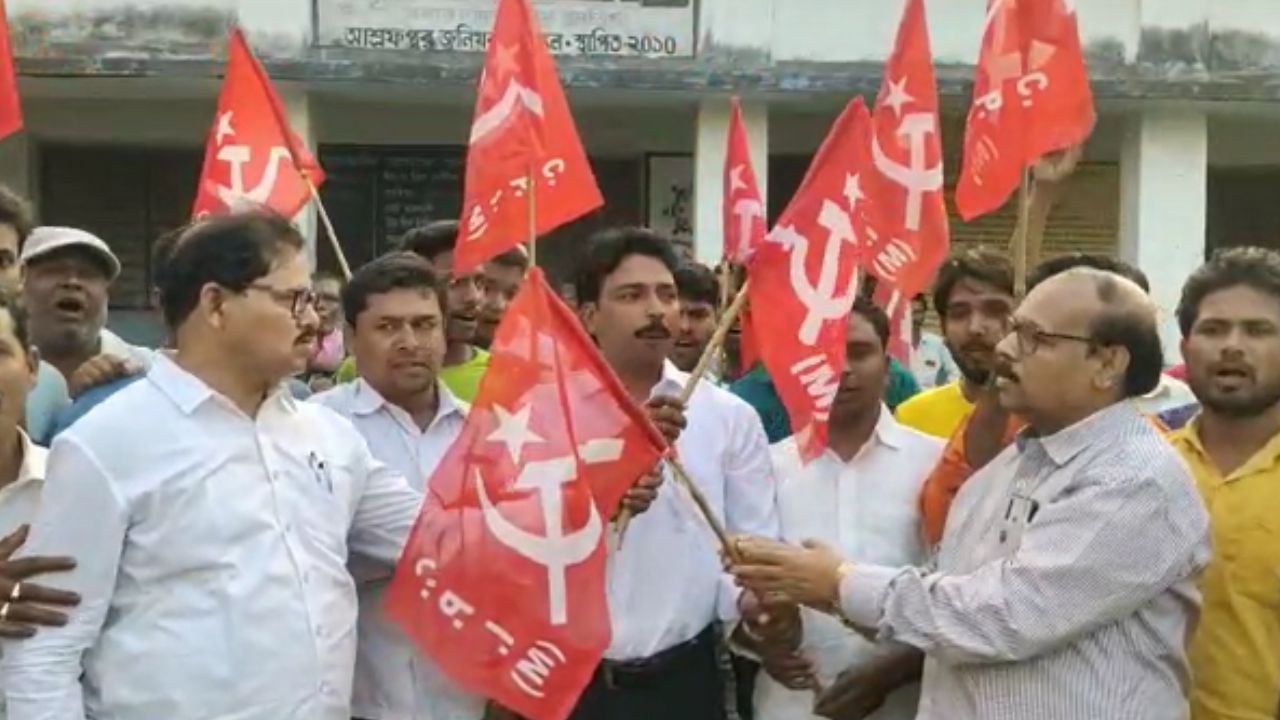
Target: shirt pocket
column 1255, row 571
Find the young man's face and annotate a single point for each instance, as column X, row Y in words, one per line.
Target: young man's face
column 635, row 318
column 501, row 283
column 693, row 333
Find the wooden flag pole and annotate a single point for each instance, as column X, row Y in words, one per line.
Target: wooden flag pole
column 328, row 227
column 704, row 508
column 533, row 218
column 1020, row 235
column 686, row 394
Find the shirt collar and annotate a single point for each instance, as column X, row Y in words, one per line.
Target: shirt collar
column 32, row 470
column 189, row 392
column 368, row 401
column 1065, row 445
column 1267, row 457
column 672, row 381
column 888, row 431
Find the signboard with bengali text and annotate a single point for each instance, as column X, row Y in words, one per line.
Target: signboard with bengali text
column 634, row 28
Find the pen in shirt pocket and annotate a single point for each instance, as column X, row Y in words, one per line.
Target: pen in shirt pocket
column 320, row 469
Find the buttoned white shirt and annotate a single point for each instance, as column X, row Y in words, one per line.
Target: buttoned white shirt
column 665, row 583
column 19, row 501
column 212, row 558
column 868, row 510
column 393, row 681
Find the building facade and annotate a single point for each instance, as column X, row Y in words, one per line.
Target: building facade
column 119, row 95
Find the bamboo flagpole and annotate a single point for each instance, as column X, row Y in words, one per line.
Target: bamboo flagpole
column 533, row 217
column 1020, row 235
column 328, row 227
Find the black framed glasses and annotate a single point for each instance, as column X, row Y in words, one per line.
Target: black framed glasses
column 1031, row 337
column 296, row 300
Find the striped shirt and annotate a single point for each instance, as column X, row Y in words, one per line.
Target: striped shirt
column 1065, row 586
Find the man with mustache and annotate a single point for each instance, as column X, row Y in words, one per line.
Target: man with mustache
column 974, row 299
column 464, row 362
column 699, row 293
column 503, row 277
column 990, row 427
column 395, row 311
column 666, row 589
column 210, row 514
column 1230, row 320
column 1065, row 585
column 859, row 496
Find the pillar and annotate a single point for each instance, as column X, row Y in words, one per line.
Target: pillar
column 16, row 168
column 708, row 185
column 298, row 109
column 1163, row 189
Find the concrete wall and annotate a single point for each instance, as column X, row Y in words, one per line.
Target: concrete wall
column 1202, row 49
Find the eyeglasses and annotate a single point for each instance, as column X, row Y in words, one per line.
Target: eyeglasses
column 1030, row 337
column 296, row 300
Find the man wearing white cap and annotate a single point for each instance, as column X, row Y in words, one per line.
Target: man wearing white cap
column 66, row 274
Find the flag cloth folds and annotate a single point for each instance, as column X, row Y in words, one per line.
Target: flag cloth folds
column 744, row 218
column 251, row 156
column 10, row 105
column 1031, row 97
column 502, row 582
column 910, row 238
column 523, row 147
column 804, row 279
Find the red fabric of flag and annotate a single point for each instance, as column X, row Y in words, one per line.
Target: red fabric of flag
column 523, row 147
column 744, row 218
column 10, row 105
column 910, row 238
column 502, row 582
column 804, row 277
column 252, row 158
column 1031, row 96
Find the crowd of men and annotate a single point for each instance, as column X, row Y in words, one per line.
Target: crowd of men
column 1049, row 527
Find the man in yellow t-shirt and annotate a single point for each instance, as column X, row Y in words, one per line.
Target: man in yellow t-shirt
column 1230, row 320
column 974, row 299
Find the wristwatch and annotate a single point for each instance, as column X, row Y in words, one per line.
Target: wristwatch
column 842, row 572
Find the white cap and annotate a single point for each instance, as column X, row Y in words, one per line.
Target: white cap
column 44, row 240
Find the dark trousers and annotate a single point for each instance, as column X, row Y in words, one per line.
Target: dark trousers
column 682, row 683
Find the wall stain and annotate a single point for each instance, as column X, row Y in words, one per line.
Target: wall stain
column 186, row 40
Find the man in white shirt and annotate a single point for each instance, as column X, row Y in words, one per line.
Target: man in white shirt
column 22, row 470
column 210, row 513
column 860, row 496
column 394, row 314
column 666, row 588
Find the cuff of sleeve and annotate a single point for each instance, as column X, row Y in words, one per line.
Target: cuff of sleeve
column 862, row 593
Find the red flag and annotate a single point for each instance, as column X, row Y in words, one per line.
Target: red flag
column 906, row 191
column 744, row 221
column 10, row 106
column 804, row 276
column 522, row 139
column 1031, row 96
column 251, row 155
column 502, row 582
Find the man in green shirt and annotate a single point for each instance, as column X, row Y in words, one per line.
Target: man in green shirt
column 757, row 389
column 464, row 363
